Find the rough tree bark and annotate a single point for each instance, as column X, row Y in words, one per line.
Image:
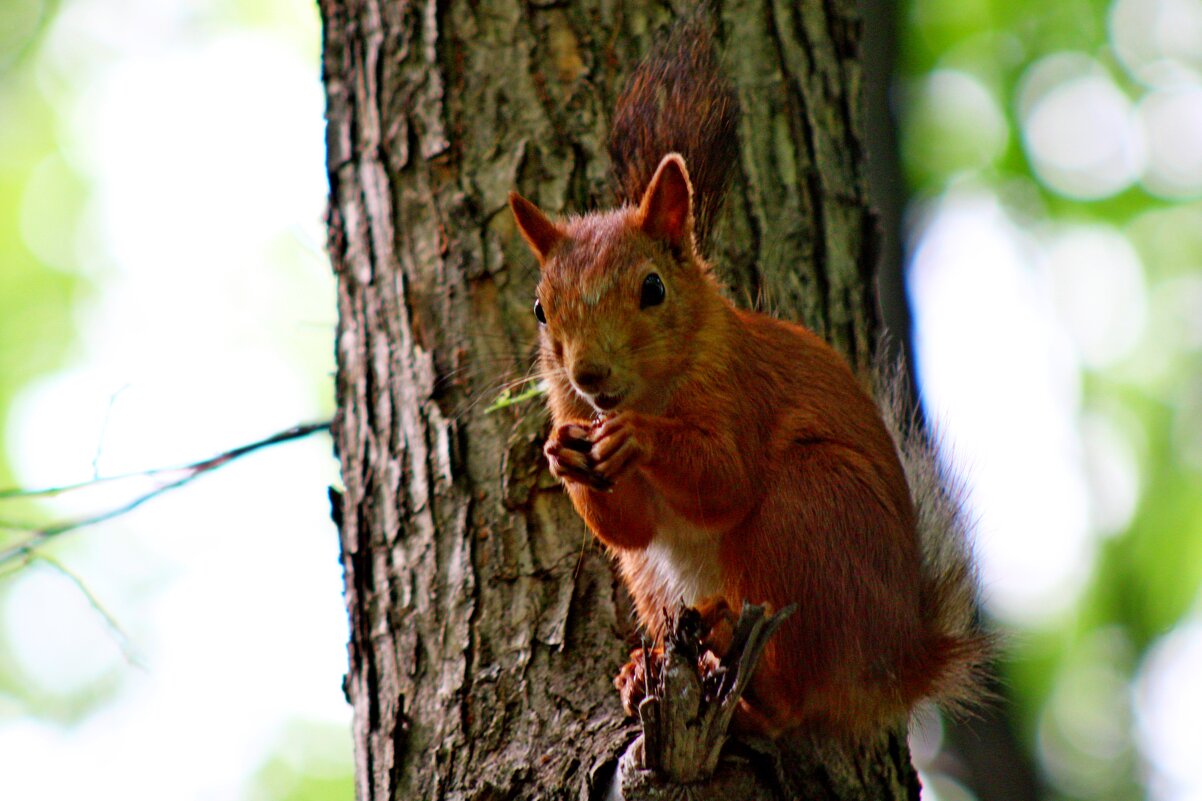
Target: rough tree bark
column 485, row 623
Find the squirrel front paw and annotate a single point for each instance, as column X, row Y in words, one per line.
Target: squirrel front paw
column 567, row 452
column 618, row 446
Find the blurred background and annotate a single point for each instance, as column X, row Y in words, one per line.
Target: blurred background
column 1053, row 157
column 164, row 296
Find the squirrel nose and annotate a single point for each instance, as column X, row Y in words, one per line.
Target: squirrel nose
column 588, row 376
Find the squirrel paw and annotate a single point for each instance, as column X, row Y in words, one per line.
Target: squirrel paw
column 617, row 446
column 718, row 622
column 631, row 680
column 567, row 452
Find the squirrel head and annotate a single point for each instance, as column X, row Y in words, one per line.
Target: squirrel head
column 621, row 297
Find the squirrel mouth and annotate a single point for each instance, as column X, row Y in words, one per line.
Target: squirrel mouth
column 606, row 402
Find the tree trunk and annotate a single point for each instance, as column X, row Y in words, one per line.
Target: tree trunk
column 486, row 625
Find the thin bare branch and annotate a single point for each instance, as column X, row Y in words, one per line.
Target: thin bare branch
column 170, row 478
column 124, row 643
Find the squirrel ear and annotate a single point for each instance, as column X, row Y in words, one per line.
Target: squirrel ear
column 666, row 211
column 540, row 233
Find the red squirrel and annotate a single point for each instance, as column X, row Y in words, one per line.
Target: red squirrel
column 725, row 456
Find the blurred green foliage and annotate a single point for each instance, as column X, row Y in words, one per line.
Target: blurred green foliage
column 308, row 766
column 36, row 294
column 38, row 291
column 44, row 222
column 1146, row 578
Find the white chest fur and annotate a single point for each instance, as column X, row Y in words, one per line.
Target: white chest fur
column 682, row 560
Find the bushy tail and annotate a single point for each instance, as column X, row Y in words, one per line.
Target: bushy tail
column 677, row 101
column 959, row 648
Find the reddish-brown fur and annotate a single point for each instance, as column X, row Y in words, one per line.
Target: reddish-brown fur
column 724, row 455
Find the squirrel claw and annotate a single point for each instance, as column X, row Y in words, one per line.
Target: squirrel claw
column 616, row 447
column 567, row 453
column 631, row 681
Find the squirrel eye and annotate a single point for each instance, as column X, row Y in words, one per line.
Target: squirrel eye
column 538, row 312
column 653, row 291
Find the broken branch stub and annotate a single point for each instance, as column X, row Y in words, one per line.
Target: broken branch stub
column 691, row 699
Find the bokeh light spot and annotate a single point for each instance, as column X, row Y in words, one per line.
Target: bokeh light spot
column 1158, row 41
column 1078, row 128
column 1098, row 282
column 955, row 124
column 1168, row 706
column 1000, row 384
column 1172, row 128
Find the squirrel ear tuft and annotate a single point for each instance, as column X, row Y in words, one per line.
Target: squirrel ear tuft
column 666, row 211
column 540, row 233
